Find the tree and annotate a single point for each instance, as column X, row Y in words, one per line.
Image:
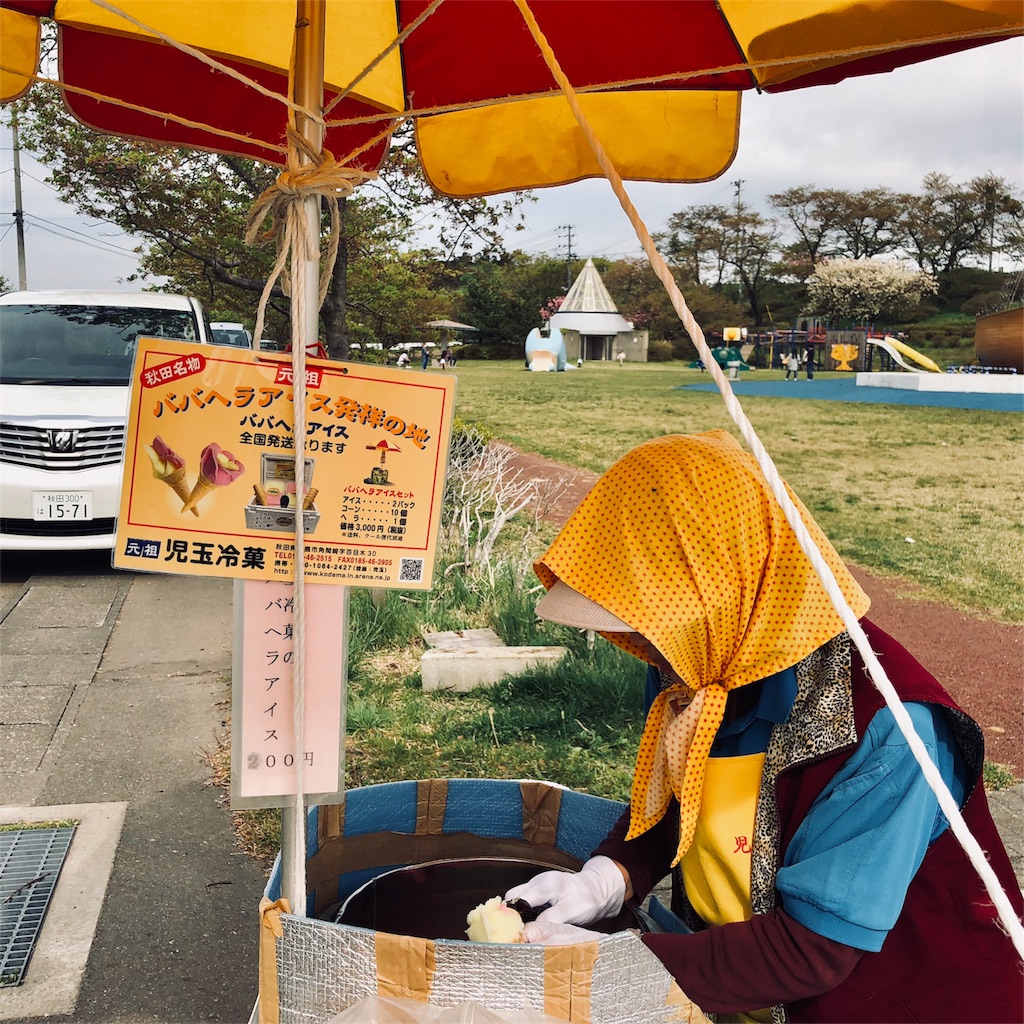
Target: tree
column 697, row 243
column 642, row 298
column 950, row 224
column 503, row 296
column 860, row 291
column 867, row 224
column 753, row 255
column 190, row 208
column 815, row 215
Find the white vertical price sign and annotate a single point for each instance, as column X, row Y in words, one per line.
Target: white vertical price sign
column 263, row 753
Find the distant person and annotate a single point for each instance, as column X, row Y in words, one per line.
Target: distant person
column 579, row 362
column 425, row 353
column 792, row 366
column 808, row 360
column 403, row 360
column 621, row 357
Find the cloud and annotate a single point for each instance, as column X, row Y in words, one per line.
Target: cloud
column 962, row 115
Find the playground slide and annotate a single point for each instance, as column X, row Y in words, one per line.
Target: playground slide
column 896, row 348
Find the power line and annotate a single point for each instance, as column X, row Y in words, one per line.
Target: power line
column 75, row 231
column 112, row 250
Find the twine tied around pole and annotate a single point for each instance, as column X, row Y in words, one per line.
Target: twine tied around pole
column 283, row 203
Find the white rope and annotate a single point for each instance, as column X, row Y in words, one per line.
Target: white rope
column 946, row 802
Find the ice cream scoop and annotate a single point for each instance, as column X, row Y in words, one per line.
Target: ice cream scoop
column 217, row 467
column 169, row 466
column 493, row 921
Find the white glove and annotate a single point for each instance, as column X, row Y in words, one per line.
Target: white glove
column 547, row 934
column 591, row 894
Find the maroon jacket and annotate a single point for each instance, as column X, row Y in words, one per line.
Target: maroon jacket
column 946, row 959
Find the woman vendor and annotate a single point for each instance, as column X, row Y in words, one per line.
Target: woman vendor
column 815, row 878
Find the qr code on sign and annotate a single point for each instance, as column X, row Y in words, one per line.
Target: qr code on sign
column 410, row 570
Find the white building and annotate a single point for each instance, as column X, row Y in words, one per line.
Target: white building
column 591, row 325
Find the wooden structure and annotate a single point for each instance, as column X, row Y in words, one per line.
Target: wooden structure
column 999, row 339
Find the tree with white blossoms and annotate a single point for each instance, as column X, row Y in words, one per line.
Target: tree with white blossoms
column 865, row 290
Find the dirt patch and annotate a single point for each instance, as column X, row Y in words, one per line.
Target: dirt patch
column 980, row 663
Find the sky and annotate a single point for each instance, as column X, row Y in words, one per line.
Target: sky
column 962, row 115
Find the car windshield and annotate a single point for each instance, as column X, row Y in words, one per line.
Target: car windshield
column 224, row 337
column 66, row 344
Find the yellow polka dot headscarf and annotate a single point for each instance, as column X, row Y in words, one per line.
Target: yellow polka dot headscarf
column 683, row 540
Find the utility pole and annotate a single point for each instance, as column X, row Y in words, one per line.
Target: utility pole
column 738, row 185
column 569, row 254
column 740, row 246
column 19, row 216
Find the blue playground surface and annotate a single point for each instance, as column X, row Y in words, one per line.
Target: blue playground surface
column 846, row 390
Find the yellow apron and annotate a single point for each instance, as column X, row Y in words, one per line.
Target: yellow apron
column 716, row 867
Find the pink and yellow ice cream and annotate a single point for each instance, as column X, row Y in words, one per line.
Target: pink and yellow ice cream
column 169, row 466
column 493, row 921
column 217, row 467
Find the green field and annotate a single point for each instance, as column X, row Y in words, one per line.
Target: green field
column 929, row 495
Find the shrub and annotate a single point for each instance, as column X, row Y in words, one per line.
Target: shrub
column 659, row 351
column 492, row 350
column 865, row 290
column 982, row 303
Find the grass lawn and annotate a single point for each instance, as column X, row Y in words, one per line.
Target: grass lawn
column 929, row 495
column 876, row 477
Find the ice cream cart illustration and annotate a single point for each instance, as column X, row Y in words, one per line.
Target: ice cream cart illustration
column 275, row 498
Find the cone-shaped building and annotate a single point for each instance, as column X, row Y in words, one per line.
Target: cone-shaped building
column 591, row 325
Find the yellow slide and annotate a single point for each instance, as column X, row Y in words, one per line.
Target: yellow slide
column 910, row 353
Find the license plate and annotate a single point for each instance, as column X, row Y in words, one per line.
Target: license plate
column 47, row 505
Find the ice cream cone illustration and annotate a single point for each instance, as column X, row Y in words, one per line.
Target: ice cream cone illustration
column 216, row 468
column 169, row 466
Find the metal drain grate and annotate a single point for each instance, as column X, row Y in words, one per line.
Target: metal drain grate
column 30, row 863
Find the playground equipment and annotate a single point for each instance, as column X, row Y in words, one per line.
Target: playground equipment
column 545, row 353
column 728, row 357
column 896, row 348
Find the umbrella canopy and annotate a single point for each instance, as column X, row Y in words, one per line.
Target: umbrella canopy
column 659, row 79
column 449, row 325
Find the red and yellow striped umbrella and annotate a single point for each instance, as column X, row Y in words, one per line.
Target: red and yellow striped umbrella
column 659, row 80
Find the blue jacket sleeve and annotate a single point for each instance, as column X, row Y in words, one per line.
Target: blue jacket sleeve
column 846, row 872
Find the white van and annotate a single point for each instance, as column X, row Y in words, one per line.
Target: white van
column 236, row 335
column 65, row 361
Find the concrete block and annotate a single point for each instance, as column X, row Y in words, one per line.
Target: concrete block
column 464, row 669
column 463, row 639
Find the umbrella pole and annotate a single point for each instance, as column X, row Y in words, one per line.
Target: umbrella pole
column 307, row 90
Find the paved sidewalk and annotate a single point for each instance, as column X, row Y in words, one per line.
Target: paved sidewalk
column 107, row 724
column 110, row 724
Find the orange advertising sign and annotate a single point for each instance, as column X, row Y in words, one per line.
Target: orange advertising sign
column 209, row 485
